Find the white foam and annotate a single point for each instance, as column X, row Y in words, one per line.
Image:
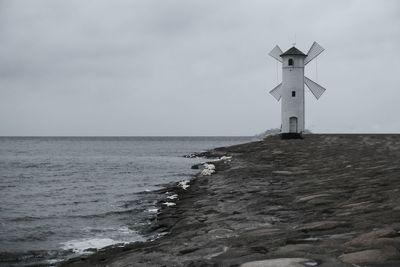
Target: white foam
column 113, row 230
column 81, row 246
column 102, row 237
column 125, row 230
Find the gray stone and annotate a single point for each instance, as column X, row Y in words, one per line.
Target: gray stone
column 370, row 256
column 289, row 249
column 307, row 198
column 282, row 262
column 283, row 172
column 322, row 225
column 368, row 239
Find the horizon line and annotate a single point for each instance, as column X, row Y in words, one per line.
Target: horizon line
column 254, row 135
column 127, row 136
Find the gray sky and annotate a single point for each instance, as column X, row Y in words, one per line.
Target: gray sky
column 165, row 67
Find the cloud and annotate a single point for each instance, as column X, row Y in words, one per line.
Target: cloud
column 163, row 67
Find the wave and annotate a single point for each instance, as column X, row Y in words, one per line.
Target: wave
column 85, row 246
column 25, row 219
column 31, row 258
column 84, row 216
column 108, row 236
column 110, row 213
column 37, row 235
column 121, row 230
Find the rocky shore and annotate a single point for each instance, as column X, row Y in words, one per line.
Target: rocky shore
column 325, row 200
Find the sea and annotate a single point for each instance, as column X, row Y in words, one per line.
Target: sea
column 65, row 196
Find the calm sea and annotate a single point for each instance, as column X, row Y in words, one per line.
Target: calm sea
column 63, row 196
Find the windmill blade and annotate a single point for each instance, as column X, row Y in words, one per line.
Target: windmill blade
column 314, row 87
column 314, row 51
column 276, row 52
column 276, row 92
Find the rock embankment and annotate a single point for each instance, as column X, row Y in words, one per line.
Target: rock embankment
column 326, row 200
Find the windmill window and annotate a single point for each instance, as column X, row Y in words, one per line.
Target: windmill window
column 290, row 62
column 293, row 93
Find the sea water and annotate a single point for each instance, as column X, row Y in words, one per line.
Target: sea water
column 64, row 196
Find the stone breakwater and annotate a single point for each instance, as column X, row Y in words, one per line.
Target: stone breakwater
column 326, row 200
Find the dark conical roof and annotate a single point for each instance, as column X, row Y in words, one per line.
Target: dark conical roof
column 293, row 51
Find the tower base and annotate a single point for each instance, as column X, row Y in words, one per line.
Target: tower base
column 291, row 136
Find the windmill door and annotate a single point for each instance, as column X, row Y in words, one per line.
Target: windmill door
column 293, row 125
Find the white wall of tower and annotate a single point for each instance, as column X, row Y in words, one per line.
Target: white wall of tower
column 292, row 80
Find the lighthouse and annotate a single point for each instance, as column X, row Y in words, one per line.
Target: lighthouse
column 291, row 90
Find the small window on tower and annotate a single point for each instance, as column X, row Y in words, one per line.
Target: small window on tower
column 290, row 62
column 293, row 93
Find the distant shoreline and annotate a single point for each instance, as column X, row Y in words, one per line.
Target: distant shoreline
column 126, row 136
column 326, row 200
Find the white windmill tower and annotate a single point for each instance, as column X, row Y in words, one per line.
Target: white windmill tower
column 291, row 90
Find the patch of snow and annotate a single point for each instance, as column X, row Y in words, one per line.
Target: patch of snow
column 155, row 210
column 184, row 184
column 158, row 236
column 209, row 166
column 208, row 169
column 207, row 172
column 175, row 196
column 226, row 158
column 169, row 204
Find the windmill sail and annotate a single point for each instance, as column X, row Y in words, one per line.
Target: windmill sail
column 276, row 52
column 276, row 92
column 314, row 51
column 314, row 87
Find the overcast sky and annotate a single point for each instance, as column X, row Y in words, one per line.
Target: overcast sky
column 165, row 67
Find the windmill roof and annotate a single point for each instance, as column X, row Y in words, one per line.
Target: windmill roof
column 293, row 51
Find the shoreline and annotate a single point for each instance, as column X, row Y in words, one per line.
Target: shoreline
column 326, row 200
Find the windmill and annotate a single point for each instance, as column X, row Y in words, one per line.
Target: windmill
column 291, row 89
